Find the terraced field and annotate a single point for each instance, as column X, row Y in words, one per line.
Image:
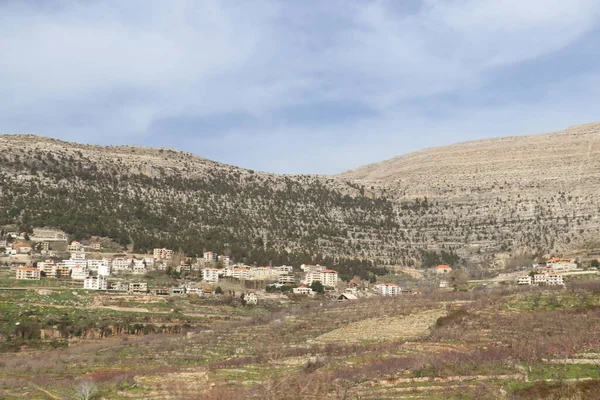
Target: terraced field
column 498, row 344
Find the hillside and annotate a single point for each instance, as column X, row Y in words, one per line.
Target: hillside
column 481, row 201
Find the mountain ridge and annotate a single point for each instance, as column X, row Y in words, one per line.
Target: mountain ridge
column 482, row 202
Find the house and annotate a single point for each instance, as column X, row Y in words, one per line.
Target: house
column 443, row 269
column 95, row 245
column 347, row 296
column 443, row 284
column 211, row 275
column 163, row 254
column 388, row 289
column 75, row 246
column 303, row 290
column 95, row 283
column 524, row 280
column 210, row 257
column 29, row 274
column 251, row 298
column 138, row 287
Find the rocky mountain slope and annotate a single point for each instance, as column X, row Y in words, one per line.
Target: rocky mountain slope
column 477, row 201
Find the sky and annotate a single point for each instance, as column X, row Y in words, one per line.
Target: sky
column 286, row 86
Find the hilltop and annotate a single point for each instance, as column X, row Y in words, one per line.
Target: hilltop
column 478, row 202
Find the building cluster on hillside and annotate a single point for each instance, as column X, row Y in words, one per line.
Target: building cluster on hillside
column 107, row 273
column 548, row 273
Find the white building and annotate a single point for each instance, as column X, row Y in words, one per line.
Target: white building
column 210, row 257
column 122, row 264
column 241, row 273
column 251, row 298
column 95, row 283
column 548, row 279
column 104, row 270
column 262, row 273
column 284, row 268
column 312, row 268
column 75, row 246
column 327, row 277
column 138, row 287
column 79, row 273
column 77, row 255
column 29, row 274
column 224, row 261
column 303, row 290
column 94, row 265
column 163, row 254
column 211, row 275
column 388, row 289
column 286, row 279
column 524, row 280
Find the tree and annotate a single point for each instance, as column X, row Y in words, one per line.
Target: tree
column 86, row 390
column 317, row 287
column 218, row 290
column 595, row 264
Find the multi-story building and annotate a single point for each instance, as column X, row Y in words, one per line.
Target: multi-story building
column 224, row 261
column 94, row 265
column 327, row 277
column 241, row 273
column 77, row 255
column 29, row 274
column 62, row 270
column 122, row 264
column 104, row 270
column 95, row 283
column 524, row 280
column 210, row 257
column 163, row 254
column 211, row 275
column 312, row 268
column 138, row 287
column 548, row 279
column 286, row 279
column 388, row 289
column 79, row 273
column 262, row 273
column 284, row 268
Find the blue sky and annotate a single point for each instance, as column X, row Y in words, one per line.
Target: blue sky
column 297, row 86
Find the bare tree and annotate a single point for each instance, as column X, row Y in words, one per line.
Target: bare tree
column 86, row 390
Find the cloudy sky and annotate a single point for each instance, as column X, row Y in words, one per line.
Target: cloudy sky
column 312, row 86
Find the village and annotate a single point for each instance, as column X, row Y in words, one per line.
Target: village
column 83, row 264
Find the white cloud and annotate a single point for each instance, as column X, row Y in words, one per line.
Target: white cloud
column 109, row 71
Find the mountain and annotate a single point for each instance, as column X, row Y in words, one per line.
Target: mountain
column 478, row 202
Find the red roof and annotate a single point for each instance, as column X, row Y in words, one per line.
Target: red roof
column 330, row 271
column 443, row 266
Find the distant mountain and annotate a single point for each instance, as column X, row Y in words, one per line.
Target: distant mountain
column 478, row 202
